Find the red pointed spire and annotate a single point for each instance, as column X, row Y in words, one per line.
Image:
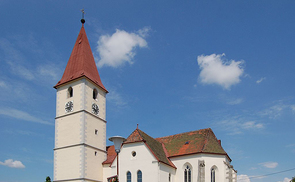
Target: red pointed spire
column 81, row 63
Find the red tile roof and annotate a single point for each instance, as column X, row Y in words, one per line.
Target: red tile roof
column 111, row 155
column 81, row 63
column 156, row 147
column 200, row 141
column 164, row 148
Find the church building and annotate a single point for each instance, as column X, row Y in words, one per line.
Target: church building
column 81, row 154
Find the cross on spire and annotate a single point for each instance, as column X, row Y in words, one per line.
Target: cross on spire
column 83, row 12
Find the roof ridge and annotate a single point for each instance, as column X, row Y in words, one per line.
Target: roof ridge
column 158, row 150
column 206, row 140
column 145, row 134
column 183, row 133
column 136, row 130
column 167, row 155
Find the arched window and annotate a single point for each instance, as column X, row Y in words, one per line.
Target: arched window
column 187, row 174
column 70, row 92
column 128, row 176
column 213, row 173
column 94, row 94
column 139, row 176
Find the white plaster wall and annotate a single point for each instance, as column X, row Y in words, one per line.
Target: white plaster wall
column 218, row 161
column 235, row 176
column 68, row 163
column 109, row 171
column 100, row 101
column 92, row 123
column 210, row 161
column 93, row 167
column 144, row 161
column 62, row 97
column 78, row 127
column 82, row 97
column 164, row 171
column 69, row 130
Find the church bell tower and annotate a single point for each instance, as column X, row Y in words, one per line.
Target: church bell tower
column 80, row 123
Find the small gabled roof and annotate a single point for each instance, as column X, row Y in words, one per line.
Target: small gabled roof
column 156, row 147
column 200, row 141
column 111, row 155
column 81, row 63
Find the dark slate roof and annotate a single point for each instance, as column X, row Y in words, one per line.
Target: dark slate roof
column 81, row 63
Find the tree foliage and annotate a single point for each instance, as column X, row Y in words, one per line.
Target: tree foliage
column 48, row 179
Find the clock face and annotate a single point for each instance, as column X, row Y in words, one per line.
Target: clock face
column 95, row 109
column 69, row 106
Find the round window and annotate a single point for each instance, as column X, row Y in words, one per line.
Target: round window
column 133, row 153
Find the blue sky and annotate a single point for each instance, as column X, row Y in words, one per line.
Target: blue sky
column 170, row 66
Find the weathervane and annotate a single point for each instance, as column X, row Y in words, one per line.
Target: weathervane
column 83, row 12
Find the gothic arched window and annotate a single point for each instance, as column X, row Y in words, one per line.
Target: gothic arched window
column 213, row 174
column 128, row 176
column 94, row 94
column 139, row 176
column 70, row 92
column 187, row 174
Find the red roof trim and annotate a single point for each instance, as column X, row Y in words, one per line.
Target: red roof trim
column 166, row 153
column 81, row 77
column 200, row 153
column 157, row 157
column 154, row 153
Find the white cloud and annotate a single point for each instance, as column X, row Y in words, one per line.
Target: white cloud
column 116, row 98
column 291, row 145
column 279, row 108
column 269, row 164
column 22, row 116
column 15, row 53
column 235, row 102
column 286, row 180
column 243, row 178
column 274, row 111
column 21, row 132
column 215, row 70
column 12, row 164
column 144, row 31
column 252, row 125
column 3, row 84
column 49, row 71
column 21, row 71
column 260, row 80
column 236, row 125
column 118, row 48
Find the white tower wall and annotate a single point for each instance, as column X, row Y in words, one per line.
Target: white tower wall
column 80, row 135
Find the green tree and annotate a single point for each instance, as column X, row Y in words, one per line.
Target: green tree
column 48, row 179
column 293, row 179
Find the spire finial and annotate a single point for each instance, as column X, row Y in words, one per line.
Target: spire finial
column 137, row 126
column 83, row 12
